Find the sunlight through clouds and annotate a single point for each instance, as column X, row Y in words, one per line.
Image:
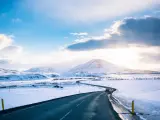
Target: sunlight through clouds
column 51, row 32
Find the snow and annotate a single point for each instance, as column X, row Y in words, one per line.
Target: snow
column 41, row 70
column 47, row 71
column 132, row 76
column 98, row 67
column 22, row 96
column 95, row 67
column 31, row 74
column 8, row 71
column 144, row 89
column 145, row 93
column 22, row 77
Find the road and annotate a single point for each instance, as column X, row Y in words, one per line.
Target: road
column 87, row 106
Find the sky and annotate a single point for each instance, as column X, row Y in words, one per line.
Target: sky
column 66, row 33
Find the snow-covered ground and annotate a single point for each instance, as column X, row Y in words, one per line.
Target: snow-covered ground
column 145, row 93
column 144, row 89
column 132, row 76
column 21, row 77
column 19, row 95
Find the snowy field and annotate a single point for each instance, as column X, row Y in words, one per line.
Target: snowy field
column 145, row 93
column 20, row 95
column 144, row 89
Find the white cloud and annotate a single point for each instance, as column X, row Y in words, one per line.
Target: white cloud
column 8, row 51
column 67, row 59
column 89, row 10
column 113, row 55
column 85, row 39
column 5, row 40
column 114, row 28
column 65, row 37
column 79, row 34
column 16, row 20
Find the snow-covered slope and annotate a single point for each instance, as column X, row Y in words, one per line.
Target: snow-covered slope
column 47, row 71
column 7, row 74
column 95, row 67
column 7, row 71
column 145, row 93
column 22, row 77
column 41, row 70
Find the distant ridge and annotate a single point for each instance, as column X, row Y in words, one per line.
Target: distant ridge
column 95, row 67
column 41, row 70
column 98, row 67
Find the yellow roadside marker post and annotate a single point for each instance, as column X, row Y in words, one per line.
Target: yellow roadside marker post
column 133, row 113
column 2, row 101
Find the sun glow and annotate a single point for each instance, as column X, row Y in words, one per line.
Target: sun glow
column 125, row 57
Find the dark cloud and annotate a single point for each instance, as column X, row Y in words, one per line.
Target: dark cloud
column 143, row 31
column 95, row 44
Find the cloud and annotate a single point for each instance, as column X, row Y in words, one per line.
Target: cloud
column 88, row 10
column 5, row 40
column 151, row 58
column 141, row 31
column 66, row 37
column 16, row 20
column 8, row 51
column 79, row 34
column 93, row 44
column 129, row 31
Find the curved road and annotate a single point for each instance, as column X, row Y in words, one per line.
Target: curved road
column 87, row 106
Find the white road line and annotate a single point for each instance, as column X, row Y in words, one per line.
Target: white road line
column 80, row 103
column 66, row 115
column 71, row 109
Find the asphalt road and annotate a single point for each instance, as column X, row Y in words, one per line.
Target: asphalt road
column 89, row 106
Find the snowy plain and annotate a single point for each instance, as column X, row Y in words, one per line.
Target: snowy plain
column 145, row 93
column 18, row 96
column 144, row 89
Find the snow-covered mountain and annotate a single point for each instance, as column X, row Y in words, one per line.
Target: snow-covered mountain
column 95, row 67
column 22, row 77
column 7, row 74
column 8, row 71
column 41, row 70
column 47, row 71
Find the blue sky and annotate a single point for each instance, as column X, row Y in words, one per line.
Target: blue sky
column 37, row 31
column 40, row 27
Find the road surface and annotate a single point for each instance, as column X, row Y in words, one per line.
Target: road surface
column 87, row 106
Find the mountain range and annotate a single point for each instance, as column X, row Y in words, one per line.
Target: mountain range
column 95, row 67
column 41, row 70
column 8, row 71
